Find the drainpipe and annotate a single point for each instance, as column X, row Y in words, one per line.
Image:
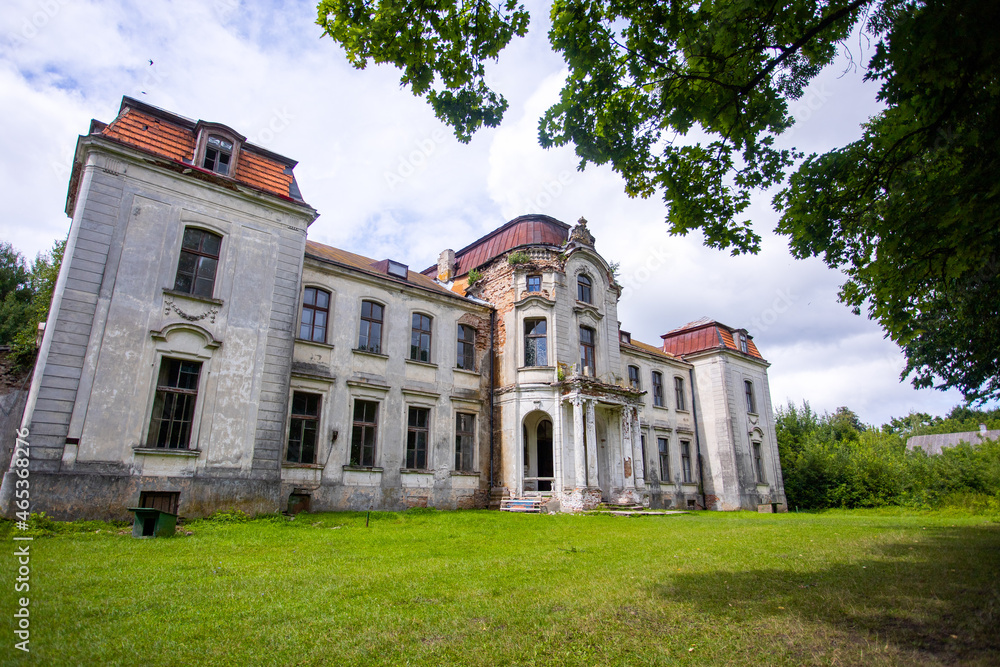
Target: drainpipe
column 697, row 440
column 493, row 324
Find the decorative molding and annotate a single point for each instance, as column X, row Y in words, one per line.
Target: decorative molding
column 169, row 305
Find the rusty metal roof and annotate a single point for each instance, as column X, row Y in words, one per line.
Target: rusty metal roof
column 521, row 231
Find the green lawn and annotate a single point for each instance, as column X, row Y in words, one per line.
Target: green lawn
column 490, row 588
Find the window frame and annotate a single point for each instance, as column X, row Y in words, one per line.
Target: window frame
column 315, row 308
column 679, row 397
column 750, row 397
column 465, row 350
column 584, row 288
column 663, row 450
column 531, row 340
column 465, row 443
column 588, row 350
column 537, row 279
column 201, row 257
column 421, row 351
column 302, row 419
column 657, row 378
column 417, row 453
column 634, row 380
column 757, row 454
column 686, row 469
column 162, row 395
column 219, row 152
column 357, row 454
column 364, row 333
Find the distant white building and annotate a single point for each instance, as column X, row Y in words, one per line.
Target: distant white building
column 201, row 354
column 935, row 444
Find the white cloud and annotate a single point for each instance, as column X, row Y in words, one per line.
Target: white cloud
column 263, row 69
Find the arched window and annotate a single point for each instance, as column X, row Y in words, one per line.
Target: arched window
column 633, row 377
column 679, row 393
column 198, row 262
column 420, row 338
column 315, row 314
column 658, row 389
column 370, row 336
column 584, row 289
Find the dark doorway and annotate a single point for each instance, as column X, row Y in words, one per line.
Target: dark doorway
column 543, row 445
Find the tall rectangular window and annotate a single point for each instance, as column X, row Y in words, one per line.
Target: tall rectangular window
column 420, row 338
column 658, row 389
column 587, row 350
column 584, row 289
column 198, row 262
column 535, row 352
column 534, row 283
column 363, row 433
column 751, row 400
column 663, row 445
column 173, row 406
column 465, row 439
column 633, row 378
column 303, row 428
column 416, row 438
column 315, row 314
column 679, row 393
column 758, row 463
column 686, row 461
column 466, row 353
column 370, row 336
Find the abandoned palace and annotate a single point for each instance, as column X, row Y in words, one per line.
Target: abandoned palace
column 202, row 354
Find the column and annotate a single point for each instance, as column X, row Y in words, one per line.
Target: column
column 591, row 447
column 638, row 463
column 579, row 458
column 626, row 451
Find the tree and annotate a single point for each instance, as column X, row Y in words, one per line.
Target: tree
column 41, row 284
column 15, row 293
column 685, row 99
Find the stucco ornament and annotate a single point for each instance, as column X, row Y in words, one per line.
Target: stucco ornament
column 168, row 305
column 580, row 233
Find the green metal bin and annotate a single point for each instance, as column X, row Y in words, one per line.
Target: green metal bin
column 151, row 522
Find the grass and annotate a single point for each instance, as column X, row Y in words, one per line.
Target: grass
column 488, row 588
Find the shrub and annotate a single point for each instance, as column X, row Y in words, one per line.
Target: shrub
column 518, row 257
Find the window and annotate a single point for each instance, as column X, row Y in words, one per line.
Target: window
column 633, row 377
column 758, row 463
column 743, row 344
column 679, row 393
column 416, row 438
column 751, row 402
column 370, row 338
column 535, row 353
column 587, row 349
column 218, row 154
column 663, row 445
column 303, row 428
column 173, row 406
column 398, row 269
column 465, row 439
column 584, row 289
column 315, row 313
column 534, row 283
column 466, row 347
column 658, row 389
column 198, row 262
column 420, row 338
column 363, row 433
column 686, row 461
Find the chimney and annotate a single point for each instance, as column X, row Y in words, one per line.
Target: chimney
column 447, row 266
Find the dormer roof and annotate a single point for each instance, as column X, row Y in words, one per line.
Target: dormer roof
column 704, row 335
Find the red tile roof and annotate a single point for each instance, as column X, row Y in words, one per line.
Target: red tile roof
column 705, row 334
column 371, row 266
column 521, row 231
column 170, row 136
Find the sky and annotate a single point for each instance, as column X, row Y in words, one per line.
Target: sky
column 390, row 181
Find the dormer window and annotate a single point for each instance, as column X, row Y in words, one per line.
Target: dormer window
column 743, row 344
column 397, row 269
column 625, row 337
column 218, row 155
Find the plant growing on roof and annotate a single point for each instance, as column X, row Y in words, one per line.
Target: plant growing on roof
column 475, row 275
column 518, row 257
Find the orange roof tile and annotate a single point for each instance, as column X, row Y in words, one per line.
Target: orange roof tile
column 645, row 347
column 173, row 137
